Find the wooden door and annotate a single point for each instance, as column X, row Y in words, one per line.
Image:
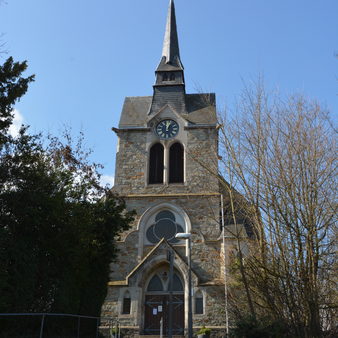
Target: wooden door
column 178, row 315
column 156, row 308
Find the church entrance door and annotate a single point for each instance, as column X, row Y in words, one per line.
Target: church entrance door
column 157, row 308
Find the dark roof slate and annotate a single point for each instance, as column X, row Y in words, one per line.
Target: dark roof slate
column 200, row 110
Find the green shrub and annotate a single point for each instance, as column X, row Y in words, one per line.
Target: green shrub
column 250, row 327
column 204, row 330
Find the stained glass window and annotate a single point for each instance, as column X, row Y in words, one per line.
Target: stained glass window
column 165, row 226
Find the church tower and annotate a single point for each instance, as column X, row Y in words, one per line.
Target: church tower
column 163, row 140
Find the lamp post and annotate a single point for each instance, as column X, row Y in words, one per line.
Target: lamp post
column 187, row 236
column 225, row 272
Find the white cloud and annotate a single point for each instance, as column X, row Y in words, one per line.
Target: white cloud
column 17, row 122
column 106, row 179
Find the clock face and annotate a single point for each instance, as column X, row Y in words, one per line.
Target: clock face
column 167, row 129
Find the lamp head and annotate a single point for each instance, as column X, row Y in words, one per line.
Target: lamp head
column 183, row 235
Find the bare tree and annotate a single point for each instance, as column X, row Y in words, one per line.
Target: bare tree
column 2, row 44
column 280, row 157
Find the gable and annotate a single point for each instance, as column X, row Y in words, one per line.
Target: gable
column 200, row 110
column 167, row 112
column 156, row 255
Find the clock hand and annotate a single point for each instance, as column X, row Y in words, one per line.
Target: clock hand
column 167, row 124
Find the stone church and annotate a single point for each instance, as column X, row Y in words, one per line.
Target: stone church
column 163, row 141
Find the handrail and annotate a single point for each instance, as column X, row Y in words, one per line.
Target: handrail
column 47, row 314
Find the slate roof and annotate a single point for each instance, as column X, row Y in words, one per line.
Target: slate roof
column 135, row 111
column 200, row 110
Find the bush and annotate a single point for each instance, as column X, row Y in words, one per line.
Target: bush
column 249, row 327
column 204, row 330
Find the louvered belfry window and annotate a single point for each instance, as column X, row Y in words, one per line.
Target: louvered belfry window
column 156, row 159
column 176, row 159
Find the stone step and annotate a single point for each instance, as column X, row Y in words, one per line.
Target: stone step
column 156, row 336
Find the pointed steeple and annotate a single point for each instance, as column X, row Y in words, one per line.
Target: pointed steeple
column 171, row 51
column 169, row 88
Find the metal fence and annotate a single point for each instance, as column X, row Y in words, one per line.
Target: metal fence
column 77, row 324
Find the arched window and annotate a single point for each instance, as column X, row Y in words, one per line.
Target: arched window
column 172, row 77
column 177, row 284
column 165, row 77
column 155, row 284
column 176, row 159
column 199, row 303
column 156, row 158
column 126, row 303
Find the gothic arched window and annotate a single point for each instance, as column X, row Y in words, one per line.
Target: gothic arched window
column 176, row 163
column 177, row 284
column 156, row 158
column 155, row 284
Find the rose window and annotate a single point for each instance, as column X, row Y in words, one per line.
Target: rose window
column 165, row 226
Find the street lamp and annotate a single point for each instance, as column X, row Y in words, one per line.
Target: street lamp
column 187, row 236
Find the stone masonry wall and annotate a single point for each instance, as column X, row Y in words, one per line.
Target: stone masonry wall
column 206, row 245
column 197, row 197
column 132, row 157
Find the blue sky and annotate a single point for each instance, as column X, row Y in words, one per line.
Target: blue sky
column 88, row 55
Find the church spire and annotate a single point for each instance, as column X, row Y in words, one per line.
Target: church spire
column 170, row 44
column 169, row 87
column 171, row 51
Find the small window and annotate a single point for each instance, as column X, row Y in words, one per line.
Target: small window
column 155, row 284
column 126, row 304
column 199, row 303
column 172, row 77
column 165, row 77
column 156, row 158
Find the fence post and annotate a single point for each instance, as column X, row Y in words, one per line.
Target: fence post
column 78, row 327
column 42, row 324
column 161, row 327
column 97, row 328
